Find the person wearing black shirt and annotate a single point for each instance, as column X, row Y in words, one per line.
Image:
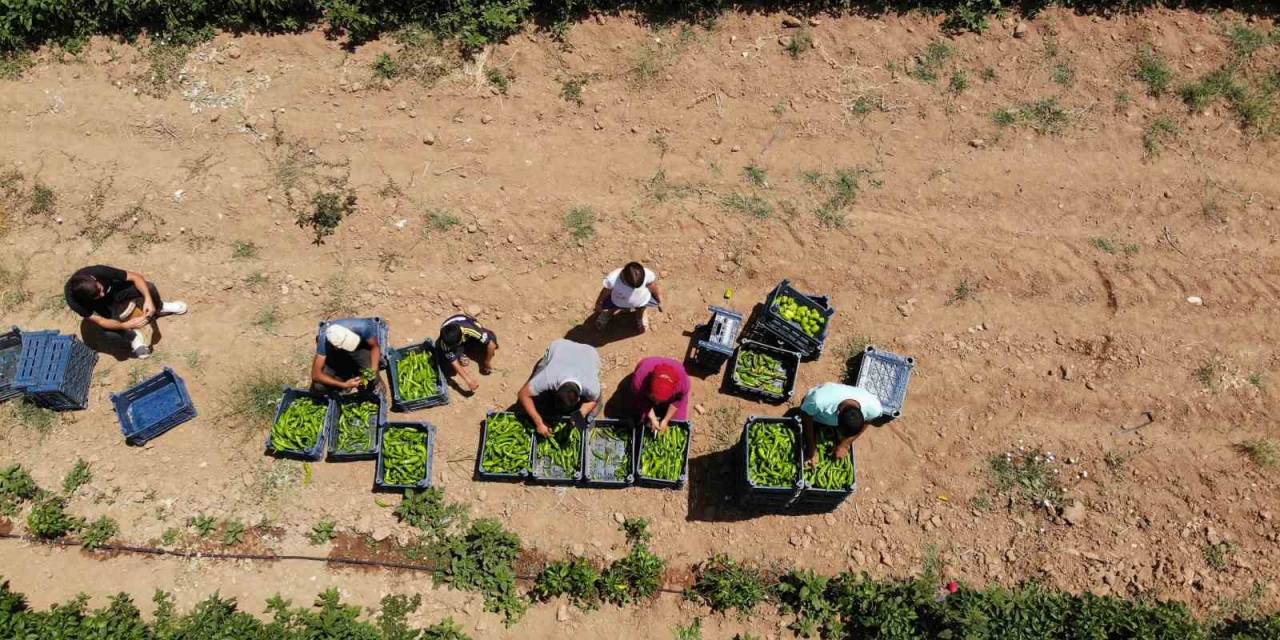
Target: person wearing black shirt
column 119, row 302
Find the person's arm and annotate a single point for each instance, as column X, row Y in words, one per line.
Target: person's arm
column 318, row 375
column 148, row 305
column 117, row 325
column 588, row 407
column 810, row 438
column 843, row 448
column 656, row 292
column 525, row 397
column 461, row 372
column 651, row 419
column 375, row 354
column 672, row 409
column 602, row 298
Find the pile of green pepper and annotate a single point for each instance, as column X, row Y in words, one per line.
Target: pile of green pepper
column 611, row 449
column 417, row 377
column 562, row 449
column 662, row 455
column 807, row 318
column 828, row 472
column 771, row 455
column 404, row 456
column 355, row 427
column 759, row 371
column 299, row 426
column 508, row 440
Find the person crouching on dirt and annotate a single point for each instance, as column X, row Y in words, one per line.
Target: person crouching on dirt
column 348, row 356
column 121, row 303
column 631, row 289
column 565, row 382
column 660, row 392
column 461, row 332
column 846, row 408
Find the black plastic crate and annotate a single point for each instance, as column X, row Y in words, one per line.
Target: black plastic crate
column 379, row 474
column 662, row 483
column 63, row 373
column 481, row 474
column 814, row 497
column 543, row 470
column 398, row 403
column 609, row 450
column 790, row 333
column 153, row 407
column 754, row 495
column 10, row 355
column 316, row 451
column 335, row 420
column 790, row 361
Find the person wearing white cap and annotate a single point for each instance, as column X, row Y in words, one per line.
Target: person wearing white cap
column 348, row 348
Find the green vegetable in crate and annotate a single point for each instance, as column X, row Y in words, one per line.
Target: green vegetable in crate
column 829, row 472
column 368, row 375
column 508, row 440
column 404, row 456
column 417, row 377
column 771, row 455
column 610, row 450
column 808, row 318
column 662, row 455
column 760, row 371
column 299, row 427
column 562, row 448
column 355, row 426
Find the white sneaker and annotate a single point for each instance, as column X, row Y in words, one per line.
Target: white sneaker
column 142, row 352
column 175, row 308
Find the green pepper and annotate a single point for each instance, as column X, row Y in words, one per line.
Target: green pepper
column 772, row 455
column 356, row 425
column 404, row 456
column 662, row 455
column 508, row 440
column 300, row 425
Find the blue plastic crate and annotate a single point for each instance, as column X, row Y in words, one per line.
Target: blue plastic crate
column 424, row 427
column 790, row 362
column 10, row 355
column 153, row 407
column 63, row 373
column 544, row 470
column 603, row 455
column 399, row 404
column 31, row 362
column 886, row 375
column 759, row 496
column 316, row 451
column 384, row 330
column 662, row 483
column 335, row 418
column 481, row 474
column 789, row 333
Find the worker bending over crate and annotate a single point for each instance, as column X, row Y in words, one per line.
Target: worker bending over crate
column 348, row 356
column 566, row 382
column 844, row 407
column 460, row 333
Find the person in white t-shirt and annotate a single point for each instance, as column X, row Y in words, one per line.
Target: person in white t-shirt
column 631, row 289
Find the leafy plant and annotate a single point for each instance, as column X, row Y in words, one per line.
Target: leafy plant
column 1153, row 71
column 1218, row 555
column 428, row 511
column 440, row 220
column 203, row 525
column 756, row 175
column 49, row 519
column 691, row 632
column 576, row 578
column 500, row 78
column 1157, row 134
column 1260, row 451
column 963, row 291
column 929, row 64
column 16, row 487
column 1043, row 116
column 581, row 222
column 636, row 530
column 1027, row 475
column 724, row 584
column 385, row 67
column 482, row 559
column 77, row 477
column 799, row 43
column 232, row 532
column 99, row 532
column 632, row 578
column 322, row 532
column 959, row 82
column 327, row 211
column 752, row 205
column 571, row 87
column 244, row 249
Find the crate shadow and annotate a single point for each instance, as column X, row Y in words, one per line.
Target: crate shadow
column 712, row 489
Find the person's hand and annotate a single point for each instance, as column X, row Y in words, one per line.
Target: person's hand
column 652, row 421
column 353, row 383
column 473, row 384
column 148, row 308
column 842, row 450
column 811, row 458
column 662, row 426
column 136, row 323
column 542, row 429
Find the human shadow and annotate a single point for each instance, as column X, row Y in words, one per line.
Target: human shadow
column 113, row 343
column 620, row 403
column 620, row 327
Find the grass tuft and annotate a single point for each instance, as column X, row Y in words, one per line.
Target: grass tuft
column 581, row 222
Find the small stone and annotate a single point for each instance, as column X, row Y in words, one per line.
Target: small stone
column 1090, row 386
column 1073, row 513
column 474, row 311
column 1197, row 48
column 381, row 533
column 402, row 105
column 716, row 139
column 1021, row 30
column 472, row 228
column 428, row 138
column 701, row 409
column 635, row 129
column 735, row 148
column 813, row 22
column 598, row 126
column 1010, row 556
column 829, row 519
column 792, row 22
column 618, row 517
column 725, row 267
column 562, row 614
column 486, row 119
column 214, row 116
column 1064, row 371
column 233, row 53
column 977, row 143
column 1196, row 300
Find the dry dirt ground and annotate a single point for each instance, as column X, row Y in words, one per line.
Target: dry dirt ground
column 1040, row 279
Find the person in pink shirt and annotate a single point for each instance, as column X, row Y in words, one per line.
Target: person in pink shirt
column 660, row 392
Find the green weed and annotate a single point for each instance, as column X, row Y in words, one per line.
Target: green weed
column 232, row 532
column 254, row 395
column 322, row 532
column 49, row 519
column 752, row 205
column 1208, row 372
column 1063, row 73
column 800, row 42
column 1105, row 245
column 1263, row 452
column 724, row 584
column 1255, row 379
column 959, row 82
column 500, row 78
column 576, row 578
column 268, row 318
column 571, row 87
column 16, row 487
column 1157, row 135
column 965, row 290
column 77, row 477
column 14, row 63
column 1153, row 71
column 43, row 200
column 99, row 532
column 581, row 222
column 691, row 632
column 1043, row 116
column 327, row 211
column 636, row 530
column 203, row 525
column 1218, row 556
column 1026, row 475
column 439, row 220
column 386, row 67
column 929, row 64
column 244, row 250
column 756, row 175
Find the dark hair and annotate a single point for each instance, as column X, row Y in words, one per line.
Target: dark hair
column 569, row 395
column 851, row 421
column 633, row 274
column 451, row 335
column 84, row 288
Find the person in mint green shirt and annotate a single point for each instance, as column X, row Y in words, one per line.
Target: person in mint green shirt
column 844, row 407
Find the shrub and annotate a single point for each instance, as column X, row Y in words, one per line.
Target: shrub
column 725, row 584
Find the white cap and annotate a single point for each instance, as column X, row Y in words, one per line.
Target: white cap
column 342, row 337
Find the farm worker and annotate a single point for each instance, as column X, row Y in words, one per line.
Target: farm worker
column 846, row 408
column 347, row 349
column 660, row 390
column 460, row 332
column 631, row 289
column 566, row 378
column 120, row 302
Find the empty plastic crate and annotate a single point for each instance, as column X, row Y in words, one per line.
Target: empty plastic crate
column 886, row 375
column 767, row 497
column 10, row 355
column 153, row 407
column 398, row 403
column 789, row 333
column 608, row 460
column 663, row 483
column 383, row 333
column 481, row 473
column 379, row 480
column 545, row 470
column 35, row 351
column 315, row 451
column 790, row 361
column 58, row 373
column 375, row 421
column 720, row 332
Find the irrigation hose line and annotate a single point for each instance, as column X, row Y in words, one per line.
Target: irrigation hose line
column 224, row 555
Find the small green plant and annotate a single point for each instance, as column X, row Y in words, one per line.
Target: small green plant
column 1208, row 372
column 756, row 175
column 963, row 291
column 1115, row 461
column 1105, row 245
column 959, row 82
column 268, row 318
column 77, row 477
column 752, row 205
column 800, row 42
column 203, row 525
column 386, row 67
column 446, row 629
column 34, row 417
column 16, row 487
column 1245, row 40
column 322, row 532
column 500, row 78
column 1153, row 71
column 1043, row 116
column 637, row 530
column 49, row 519
column 724, row 584
column 1218, row 556
column 254, row 394
column 170, row 536
column 988, row 74
column 165, row 60
column 439, row 220
column 571, row 87
column 1255, row 379
column 691, row 632
column 14, row 63
column 929, row 64
column 244, row 250
column 256, row 279
column 327, row 211
column 99, row 532
column 1263, row 452
column 581, row 222
column 232, row 532
column 779, row 109
column 428, row 511
column 576, row 578
column 1157, row 135
column 43, row 200
column 634, row 577
column 1063, row 73
column 1027, row 475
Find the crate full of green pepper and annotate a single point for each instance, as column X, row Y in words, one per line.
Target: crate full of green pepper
column 764, row 372
column 664, row 457
column 416, row 379
column 608, row 458
column 299, row 428
column 404, row 455
column 353, row 434
column 506, row 447
column 558, row 458
column 773, row 453
column 828, row 472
